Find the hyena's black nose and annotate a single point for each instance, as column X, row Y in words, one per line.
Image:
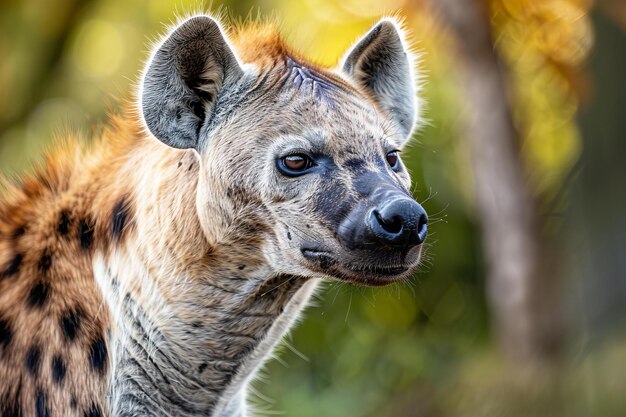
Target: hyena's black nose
column 400, row 222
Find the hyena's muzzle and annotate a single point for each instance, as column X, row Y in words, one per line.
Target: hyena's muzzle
column 380, row 235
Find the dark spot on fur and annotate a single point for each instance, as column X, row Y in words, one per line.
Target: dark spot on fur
column 180, row 163
column 64, row 223
column 59, row 369
column 197, row 324
column 18, row 232
column 128, row 299
column 45, row 262
column 94, row 411
column 190, row 167
column 13, row 267
column 39, row 294
column 288, row 235
column 85, row 233
column 74, row 402
column 33, row 359
column 121, row 212
column 10, row 409
column 6, row 334
column 202, row 367
column 41, row 404
column 241, row 267
column 70, row 324
column 325, row 262
column 99, row 355
column 308, row 226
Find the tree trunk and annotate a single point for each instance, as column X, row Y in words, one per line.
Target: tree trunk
column 521, row 281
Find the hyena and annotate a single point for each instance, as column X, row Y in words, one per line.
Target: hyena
column 152, row 272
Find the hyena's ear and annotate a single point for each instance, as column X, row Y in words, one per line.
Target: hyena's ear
column 380, row 64
column 183, row 79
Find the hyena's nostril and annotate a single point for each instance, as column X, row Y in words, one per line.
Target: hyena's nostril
column 393, row 225
column 400, row 223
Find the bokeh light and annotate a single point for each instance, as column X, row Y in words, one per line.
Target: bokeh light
column 99, row 48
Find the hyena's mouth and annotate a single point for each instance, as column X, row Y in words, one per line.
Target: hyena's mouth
column 326, row 262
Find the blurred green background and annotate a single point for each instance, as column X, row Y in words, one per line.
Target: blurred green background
column 437, row 346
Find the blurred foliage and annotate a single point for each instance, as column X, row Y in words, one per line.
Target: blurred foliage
column 419, row 349
column 544, row 44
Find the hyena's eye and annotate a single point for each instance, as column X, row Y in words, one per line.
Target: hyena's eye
column 296, row 164
column 393, row 160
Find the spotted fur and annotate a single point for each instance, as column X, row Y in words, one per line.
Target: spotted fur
column 137, row 279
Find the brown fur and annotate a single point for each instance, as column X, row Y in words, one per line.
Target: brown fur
column 52, row 223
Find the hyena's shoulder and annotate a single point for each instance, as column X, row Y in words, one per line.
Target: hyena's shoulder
column 53, row 325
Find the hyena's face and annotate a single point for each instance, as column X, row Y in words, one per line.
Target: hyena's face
column 317, row 153
column 339, row 194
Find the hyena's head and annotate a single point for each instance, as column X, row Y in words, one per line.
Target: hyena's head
column 310, row 153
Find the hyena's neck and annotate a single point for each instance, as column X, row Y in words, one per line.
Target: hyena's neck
column 191, row 320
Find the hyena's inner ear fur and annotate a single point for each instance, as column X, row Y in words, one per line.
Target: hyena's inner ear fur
column 380, row 64
column 185, row 75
